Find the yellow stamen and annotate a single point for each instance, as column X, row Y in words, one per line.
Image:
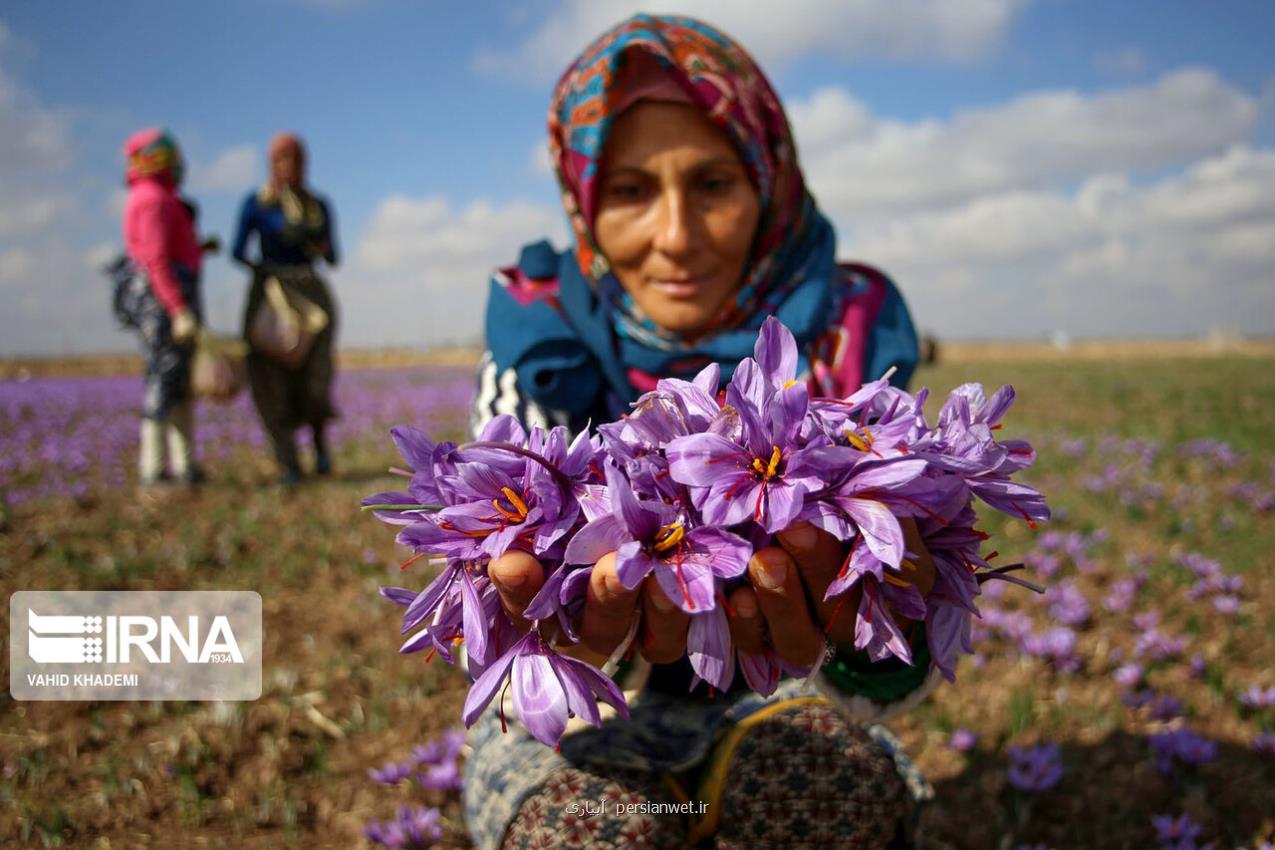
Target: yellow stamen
column 898, row 582
column 774, row 462
column 669, row 536
column 791, row 383
column 514, row 500
column 862, row 443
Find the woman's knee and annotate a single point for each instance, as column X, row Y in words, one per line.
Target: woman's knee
column 807, row 777
column 577, row 808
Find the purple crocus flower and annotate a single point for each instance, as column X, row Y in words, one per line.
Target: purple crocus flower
column 963, row 740
column 764, row 472
column 1264, row 744
column 654, row 537
column 1256, row 698
column 1067, row 604
column 441, row 777
column 442, row 749
column 1181, row 745
column 391, row 773
column 1035, row 769
column 548, row 688
column 412, row 829
column 1128, row 675
column 1177, row 833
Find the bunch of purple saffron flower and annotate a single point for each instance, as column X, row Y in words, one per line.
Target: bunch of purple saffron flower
column 685, row 488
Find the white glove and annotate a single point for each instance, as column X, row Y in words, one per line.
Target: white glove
column 184, row 326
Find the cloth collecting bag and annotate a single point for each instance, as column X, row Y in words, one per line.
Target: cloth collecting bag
column 286, row 324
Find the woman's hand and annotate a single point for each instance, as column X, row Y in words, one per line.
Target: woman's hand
column 785, row 603
column 789, row 582
column 609, row 609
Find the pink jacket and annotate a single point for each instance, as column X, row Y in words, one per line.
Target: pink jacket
column 158, row 232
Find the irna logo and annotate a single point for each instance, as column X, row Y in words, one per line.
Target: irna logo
column 75, row 639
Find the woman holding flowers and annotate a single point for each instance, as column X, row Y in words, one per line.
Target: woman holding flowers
column 294, row 228
column 692, row 225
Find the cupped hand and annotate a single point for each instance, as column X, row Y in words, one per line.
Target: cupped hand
column 786, row 604
column 784, row 608
column 609, row 609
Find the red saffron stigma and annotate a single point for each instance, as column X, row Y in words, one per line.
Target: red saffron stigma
column 412, row 560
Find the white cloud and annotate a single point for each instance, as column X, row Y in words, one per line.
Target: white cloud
column 1183, row 254
column 22, row 213
column 235, row 169
column 32, row 136
column 947, row 30
column 97, row 256
column 418, row 274
column 861, row 164
column 1125, row 62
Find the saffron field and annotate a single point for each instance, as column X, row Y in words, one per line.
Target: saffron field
column 1131, row 706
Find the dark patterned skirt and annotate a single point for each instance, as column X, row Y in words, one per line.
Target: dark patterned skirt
column 167, row 364
column 287, row 398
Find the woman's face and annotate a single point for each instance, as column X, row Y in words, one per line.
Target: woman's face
column 676, row 213
column 286, row 166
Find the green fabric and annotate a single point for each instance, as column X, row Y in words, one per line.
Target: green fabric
column 881, row 681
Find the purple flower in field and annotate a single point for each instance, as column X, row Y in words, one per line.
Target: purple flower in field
column 441, row 777
column 1138, row 699
column 1226, row 604
column 1146, row 620
column 392, row 773
column 1067, row 604
column 1198, row 666
column 963, row 740
column 1175, row 833
column 1257, row 698
column 1074, row 448
column 1056, row 645
column 1035, row 769
column 412, row 829
column 1121, row 595
column 442, row 749
column 1181, row 745
column 1128, row 675
column 1264, row 744
column 1165, row 707
column 1157, row 646
column 548, row 688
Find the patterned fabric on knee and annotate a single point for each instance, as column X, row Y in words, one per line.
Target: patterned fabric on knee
column 805, row 777
column 578, row 809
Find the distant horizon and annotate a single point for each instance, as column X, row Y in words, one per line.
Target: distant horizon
column 1221, row 336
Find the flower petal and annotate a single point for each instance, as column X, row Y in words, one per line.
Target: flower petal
column 486, row 686
column 539, row 698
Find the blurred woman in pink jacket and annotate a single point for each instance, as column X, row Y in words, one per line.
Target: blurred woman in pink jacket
column 163, row 301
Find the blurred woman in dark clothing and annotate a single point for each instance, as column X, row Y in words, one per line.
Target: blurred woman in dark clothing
column 294, row 229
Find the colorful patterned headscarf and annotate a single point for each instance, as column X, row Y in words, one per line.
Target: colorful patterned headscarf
column 581, row 332
column 153, row 153
column 719, row 77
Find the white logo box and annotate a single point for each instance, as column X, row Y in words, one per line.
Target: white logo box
column 135, row 645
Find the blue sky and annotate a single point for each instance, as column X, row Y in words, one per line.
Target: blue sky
column 1019, row 166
